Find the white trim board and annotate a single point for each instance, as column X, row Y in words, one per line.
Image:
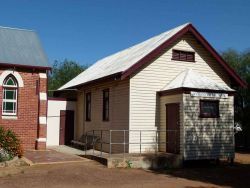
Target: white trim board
column 42, row 75
column 43, row 96
column 9, row 117
column 42, row 120
column 41, row 139
column 15, row 74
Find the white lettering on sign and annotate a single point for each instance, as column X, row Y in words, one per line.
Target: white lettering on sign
column 208, row 94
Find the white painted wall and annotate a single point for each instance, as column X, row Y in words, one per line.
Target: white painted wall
column 53, row 119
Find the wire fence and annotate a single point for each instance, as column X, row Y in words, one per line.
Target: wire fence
column 132, row 141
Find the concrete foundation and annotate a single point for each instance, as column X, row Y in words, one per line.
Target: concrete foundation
column 145, row 161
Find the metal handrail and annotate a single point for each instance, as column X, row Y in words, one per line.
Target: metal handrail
column 157, row 141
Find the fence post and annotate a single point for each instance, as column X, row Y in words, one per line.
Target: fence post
column 175, row 142
column 93, row 142
column 101, row 143
column 110, row 140
column 86, row 144
column 140, row 142
column 155, row 141
column 123, row 143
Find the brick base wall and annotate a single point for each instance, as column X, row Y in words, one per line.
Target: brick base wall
column 40, row 145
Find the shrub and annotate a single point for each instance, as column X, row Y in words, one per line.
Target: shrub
column 10, row 144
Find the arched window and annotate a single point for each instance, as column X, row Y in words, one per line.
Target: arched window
column 9, row 105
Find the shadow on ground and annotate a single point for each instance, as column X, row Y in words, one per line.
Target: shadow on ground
column 223, row 174
column 101, row 160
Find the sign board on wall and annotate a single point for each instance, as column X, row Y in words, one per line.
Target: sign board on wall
column 208, row 94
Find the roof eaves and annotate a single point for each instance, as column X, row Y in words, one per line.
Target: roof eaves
column 215, row 54
column 2, row 64
column 19, row 29
column 115, row 76
column 187, row 90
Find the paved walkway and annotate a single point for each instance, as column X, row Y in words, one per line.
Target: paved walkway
column 67, row 150
column 74, row 151
column 51, row 156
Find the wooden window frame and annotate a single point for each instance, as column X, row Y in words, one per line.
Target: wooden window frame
column 105, row 112
column 88, row 106
column 202, row 113
column 184, row 52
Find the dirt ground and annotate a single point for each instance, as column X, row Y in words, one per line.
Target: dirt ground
column 92, row 174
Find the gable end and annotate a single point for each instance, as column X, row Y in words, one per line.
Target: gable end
column 160, row 49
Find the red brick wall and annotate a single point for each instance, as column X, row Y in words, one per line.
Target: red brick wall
column 26, row 124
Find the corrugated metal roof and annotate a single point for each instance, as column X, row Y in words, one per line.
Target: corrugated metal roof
column 122, row 60
column 192, row 79
column 21, row 47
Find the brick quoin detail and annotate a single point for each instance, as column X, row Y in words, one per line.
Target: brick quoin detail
column 26, row 126
column 42, row 131
column 43, row 85
column 43, row 108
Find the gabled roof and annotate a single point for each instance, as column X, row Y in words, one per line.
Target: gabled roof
column 129, row 61
column 121, row 61
column 193, row 80
column 20, row 47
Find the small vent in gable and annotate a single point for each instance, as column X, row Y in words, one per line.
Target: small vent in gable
column 183, row 56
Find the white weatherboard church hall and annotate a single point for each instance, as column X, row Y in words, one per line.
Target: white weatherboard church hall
column 173, row 93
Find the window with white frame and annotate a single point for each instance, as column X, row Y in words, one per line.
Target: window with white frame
column 10, row 87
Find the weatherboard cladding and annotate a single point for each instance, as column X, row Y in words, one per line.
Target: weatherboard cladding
column 144, row 85
column 208, row 138
column 21, row 47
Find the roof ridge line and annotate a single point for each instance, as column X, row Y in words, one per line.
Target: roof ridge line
column 15, row 28
column 186, row 74
column 144, row 41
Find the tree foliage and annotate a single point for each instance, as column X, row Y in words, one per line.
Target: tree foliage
column 240, row 61
column 62, row 72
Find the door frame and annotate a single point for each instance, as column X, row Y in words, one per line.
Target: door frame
column 177, row 133
column 68, row 128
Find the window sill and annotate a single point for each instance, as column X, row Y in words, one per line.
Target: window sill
column 182, row 60
column 211, row 117
column 9, row 117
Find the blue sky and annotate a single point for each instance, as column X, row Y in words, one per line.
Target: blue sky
column 87, row 30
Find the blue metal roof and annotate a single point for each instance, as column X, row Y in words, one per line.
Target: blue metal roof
column 21, row 47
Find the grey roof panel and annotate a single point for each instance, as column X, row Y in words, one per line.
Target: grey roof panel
column 21, row 47
column 122, row 60
column 191, row 79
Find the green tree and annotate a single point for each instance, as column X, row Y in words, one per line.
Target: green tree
column 241, row 63
column 62, row 72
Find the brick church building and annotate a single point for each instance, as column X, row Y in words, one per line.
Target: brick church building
column 23, row 86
